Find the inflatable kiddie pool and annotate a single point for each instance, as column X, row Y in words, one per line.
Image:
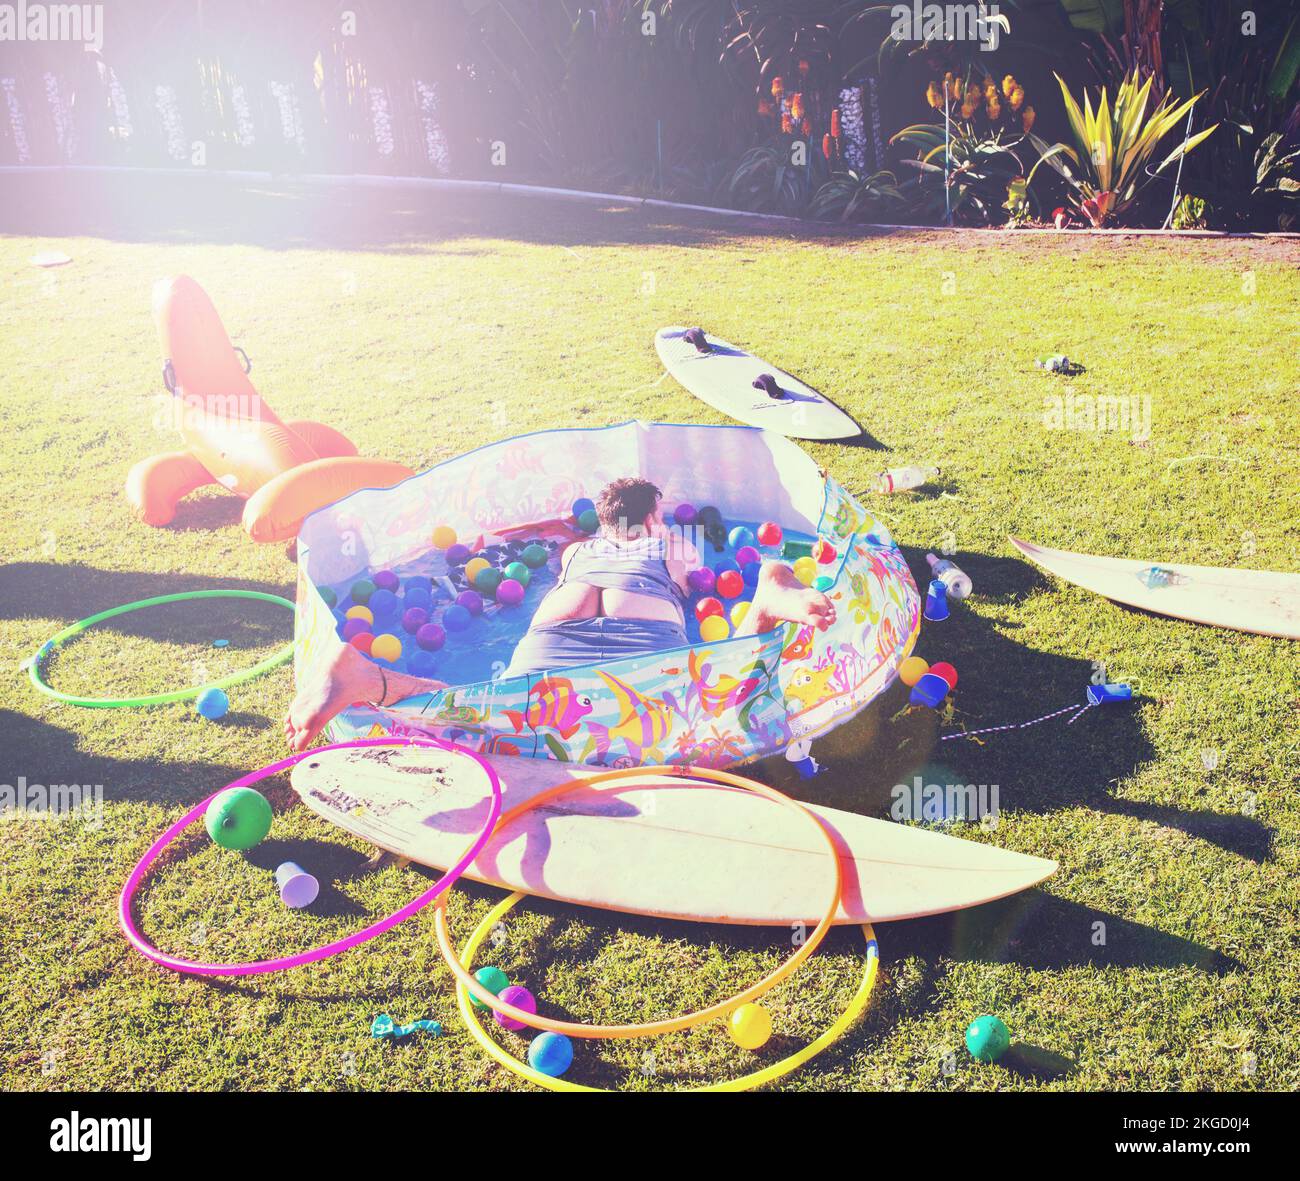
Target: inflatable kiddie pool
column 714, row 703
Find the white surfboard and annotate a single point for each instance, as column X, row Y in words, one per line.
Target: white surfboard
column 1258, row 601
column 723, row 376
column 686, row 851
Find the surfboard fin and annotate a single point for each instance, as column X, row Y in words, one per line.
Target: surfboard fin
column 696, row 337
column 768, row 384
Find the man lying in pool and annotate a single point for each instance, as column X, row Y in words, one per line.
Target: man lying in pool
column 621, row 593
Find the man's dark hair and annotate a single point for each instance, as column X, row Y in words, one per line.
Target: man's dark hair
column 626, row 503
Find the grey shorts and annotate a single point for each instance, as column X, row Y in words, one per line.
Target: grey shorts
column 600, row 640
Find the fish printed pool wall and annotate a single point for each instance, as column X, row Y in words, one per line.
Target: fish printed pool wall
column 711, row 704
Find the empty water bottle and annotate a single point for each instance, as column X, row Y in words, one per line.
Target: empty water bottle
column 953, row 577
column 904, row 479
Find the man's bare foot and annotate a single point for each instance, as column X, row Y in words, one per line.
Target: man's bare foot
column 781, row 598
column 347, row 678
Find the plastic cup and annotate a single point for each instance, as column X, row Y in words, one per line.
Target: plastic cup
column 297, row 887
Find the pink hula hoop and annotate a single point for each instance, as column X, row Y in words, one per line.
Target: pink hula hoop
column 444, row 883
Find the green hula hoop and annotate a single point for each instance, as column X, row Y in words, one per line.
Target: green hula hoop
column 57, row 641
column 768, row 1074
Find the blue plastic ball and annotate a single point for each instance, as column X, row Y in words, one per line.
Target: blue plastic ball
column 456, row 618
column 550, row 1053
column 582, row 505
column 417, row 596
column 418, row 582
column 752, row 572
column 423, row 664
column 212, row 704
column 724, row 565
column 383, row 604
column 740, row 536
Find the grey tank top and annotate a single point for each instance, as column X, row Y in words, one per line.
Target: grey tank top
column 636, row 566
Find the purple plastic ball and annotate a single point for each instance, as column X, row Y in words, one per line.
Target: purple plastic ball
column 510, row 593
column 354, row 627
column 472, row 601
column 701, row 581
column 456, row 618
column 746, row 554
column 414, row 618
column 685, row 514
column 431, row 637
column 385, row 580
column 458, row 554
column 521, row 998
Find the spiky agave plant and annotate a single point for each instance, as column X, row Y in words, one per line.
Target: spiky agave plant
column 1107, row 168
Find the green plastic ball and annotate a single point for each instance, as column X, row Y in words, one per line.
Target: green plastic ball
column 361, row 591
column 238, row 818
column 823, row 582
column 519, row 572
column 588, row 522
column 534, row 556
column 987, row 1038
column 493, row 979
column 331, row 599
column 487, row 580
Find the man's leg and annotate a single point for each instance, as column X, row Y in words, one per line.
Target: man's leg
column 350, row 676
column 781, row 598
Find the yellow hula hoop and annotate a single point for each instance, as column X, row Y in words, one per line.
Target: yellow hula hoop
column 747, row 1082
column 687, row 1020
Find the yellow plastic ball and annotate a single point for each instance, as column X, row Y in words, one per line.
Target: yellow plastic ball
column 805, row 570
column 750, row 1026
column 473, row 566
column 444, row 537
column 714, row 628
column 738, row 613
column 360, row 612
column 912, row 670
column 386, row 647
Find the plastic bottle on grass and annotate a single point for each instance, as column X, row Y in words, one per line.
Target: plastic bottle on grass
column 904, row 479
column 953, row 577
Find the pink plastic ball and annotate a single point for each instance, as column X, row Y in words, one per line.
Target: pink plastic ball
column 746, row 554
column 685, row 514
column 385, row 580
column 414, row 618
column 701, row 581
column 731, row 584
column 521, row 998
column 706, row 607
column 946, row 671
column 431, row 637
column 510, row 593
column 769, row 533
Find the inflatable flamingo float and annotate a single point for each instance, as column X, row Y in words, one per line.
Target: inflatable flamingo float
column 283, row 470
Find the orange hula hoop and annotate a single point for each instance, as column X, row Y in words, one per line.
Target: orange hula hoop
column 686, row 1020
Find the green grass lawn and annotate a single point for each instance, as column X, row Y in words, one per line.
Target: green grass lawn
column 1163, row 954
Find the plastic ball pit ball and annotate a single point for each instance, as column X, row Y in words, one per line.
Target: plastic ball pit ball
column 431, row 637
column 414, row 618
column 582, row 505
column 805, row 570
column 510, row 593
column 724, row 565
column 706, row 607
column 701, row 581
column 750, row 1026
column 212, row 704
column 423, row 664
column 362, row 613
column 330, row 598
column 588, row 522
column 945, row 670
column 533, row 555
column 738, row 613
column 457, row 555
column 444, row 537
column 731, row 585
column 238, row 818
column 385, row 580
column 987, row 1038
column 472, row 601
column 521, row 998
column 740, row 537
column 386, row 647
column 475, row 566
column 362, row 641
column 770, row 534
column 823, row 552
column 487, row 580
column 752, row 573
column 383, row 604
column 823, row 583
column 747, row 554
column 361, row 590
column 550, row 1053
column 912, row 670
column 418, row 598
column 354, row 627
column 456, row 618
column 519, row 572
column 494, row 980
column 714, row 628
column 684, row 514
